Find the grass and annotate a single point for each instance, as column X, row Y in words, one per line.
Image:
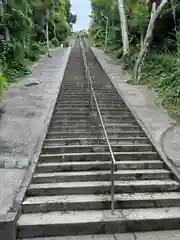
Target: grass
column 161, row 73
column 17, row 67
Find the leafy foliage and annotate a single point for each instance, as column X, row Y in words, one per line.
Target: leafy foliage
column 23, row 32
column 3, row 85
column 161, row 68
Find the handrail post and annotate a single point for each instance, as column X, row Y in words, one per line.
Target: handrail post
column 112, row 189
column 92, row 107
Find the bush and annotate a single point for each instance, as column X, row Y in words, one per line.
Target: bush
column 55, row 42
column 66, row 43
column 35, row 51
column 119, row 53
column 35, row 47
column 3, row 85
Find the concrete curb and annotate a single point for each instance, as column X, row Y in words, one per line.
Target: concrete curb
column 158, row 147
column 8, row 221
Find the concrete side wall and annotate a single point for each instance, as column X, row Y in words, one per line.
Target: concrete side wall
column 28, row 109
column 153, row 119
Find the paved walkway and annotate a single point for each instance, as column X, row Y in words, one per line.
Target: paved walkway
column 159, row 235
column 27, row 111
column 163, row 131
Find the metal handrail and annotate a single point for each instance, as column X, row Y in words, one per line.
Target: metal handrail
column 93, row 95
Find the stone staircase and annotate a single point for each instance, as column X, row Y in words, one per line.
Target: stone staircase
column 70, row 192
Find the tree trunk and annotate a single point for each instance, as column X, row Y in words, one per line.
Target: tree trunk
column 47, row 30
column 47, row 37
column 7, row 34
column 6, row 30
column 144, row 48
column 142, row 39
column 124, row 28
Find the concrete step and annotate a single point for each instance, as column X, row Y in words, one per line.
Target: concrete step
column 81, row 94
column 101, row 187
column 106, row 99
column 97, row 148
column 83, row 141
column 82, row 86
column 120, row 105
column 116, row 114
column 108, row 120
column 99, row 85
column 65, row 118
column 119, row 116
column 74, row 86
column 96, row 124
column 91, row 237
column 73, row 94
column 70, row 93
column 45, row 204
column 69, row 102
column 78, row 122
column 87, row 100
column 109, row 100
column 81, row 125
column 70, row 108
column 74, row 89
column 84, row 134
column 97, row 165
column 117, row 110
column 75, row 113
column 74, row 129
column 99, row 221
column 67, row 83
column 94, row 128
column 99, row 156
column 83, row 114
column 82, row 104
column 114, row 109
column 74, row 99
column 92, row 123
column 107, row 94
column 72, row 104
column 90, row 118
column 60, row 109
column 122, row 175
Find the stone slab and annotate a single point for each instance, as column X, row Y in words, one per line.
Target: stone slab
column 86, row 237
column 158, row 235
column 142, row 102
column 10, row 182
column 124, row 236
column 7, row 226
column 155, row 235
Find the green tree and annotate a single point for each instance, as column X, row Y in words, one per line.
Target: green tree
column 29, row 24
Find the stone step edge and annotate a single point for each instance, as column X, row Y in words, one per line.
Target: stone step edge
column 89, row 222
column 98, row 153
column 101, row 198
